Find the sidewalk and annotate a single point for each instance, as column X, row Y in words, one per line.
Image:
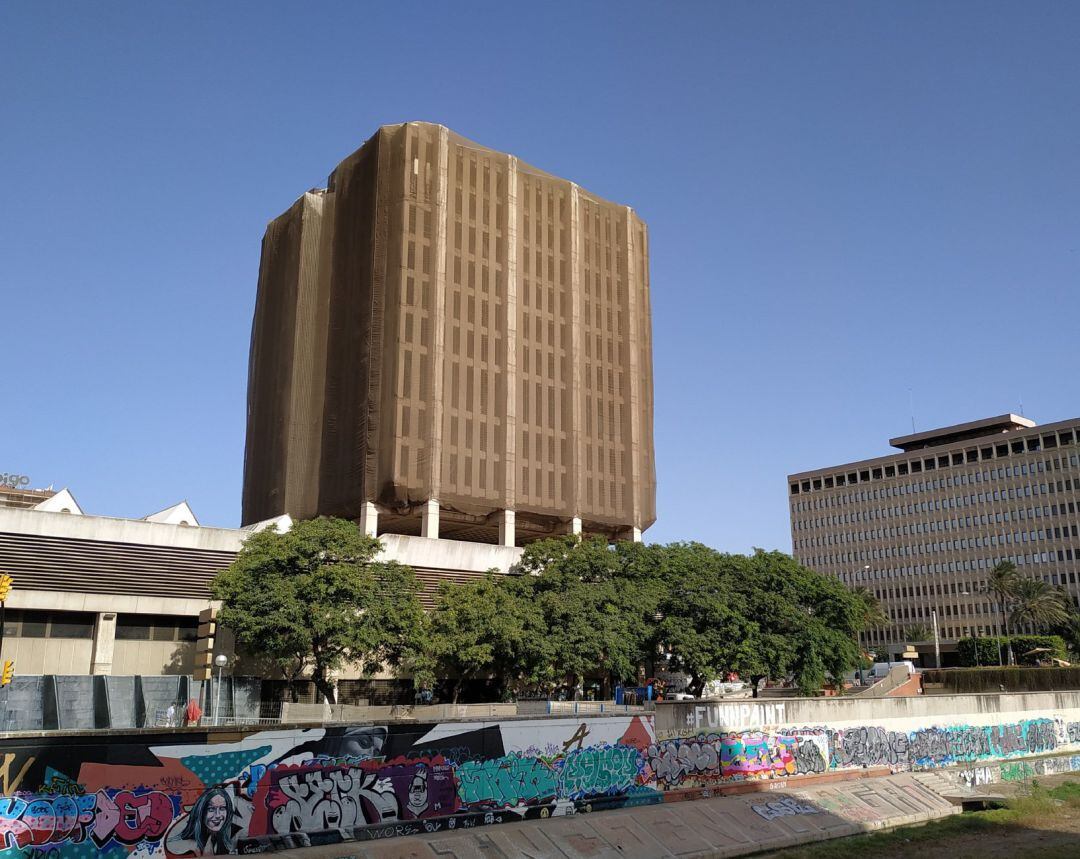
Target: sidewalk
column 722, row 826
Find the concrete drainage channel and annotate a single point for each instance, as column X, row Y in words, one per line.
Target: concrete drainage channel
column 750, row 819
column 730, row 825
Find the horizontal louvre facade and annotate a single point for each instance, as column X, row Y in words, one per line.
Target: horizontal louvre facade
column 39, row 562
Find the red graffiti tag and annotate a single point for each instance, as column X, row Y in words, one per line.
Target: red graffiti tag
column 131, row 818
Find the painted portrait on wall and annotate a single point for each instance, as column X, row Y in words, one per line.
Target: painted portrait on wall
column 210, row 827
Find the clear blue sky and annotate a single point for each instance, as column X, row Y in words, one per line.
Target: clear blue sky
column 846, row 201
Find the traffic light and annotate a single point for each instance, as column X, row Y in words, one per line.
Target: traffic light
column 8, row 672
column 6, row 582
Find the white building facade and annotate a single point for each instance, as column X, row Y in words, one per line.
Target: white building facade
column 108, row 596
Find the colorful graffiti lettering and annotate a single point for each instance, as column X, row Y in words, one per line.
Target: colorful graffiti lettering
column 932, row 747
column 1016, row 771
column 121, row 816
column 707, row 759
column 599, row 771
column 784, row 808
column 674, row 762
column 1020, row 770
column 507, row 782
column 269, row 790
column 1054, row 766
column 318, row 797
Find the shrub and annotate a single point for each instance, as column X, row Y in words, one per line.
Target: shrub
column 986, row 648
column 1021, row 644
column 1015, row 679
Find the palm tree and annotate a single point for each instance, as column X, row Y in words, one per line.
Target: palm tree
column 919, row 632
column 1002, row 583
column 1070, row 631
column 1038, row 604
column 873, row 614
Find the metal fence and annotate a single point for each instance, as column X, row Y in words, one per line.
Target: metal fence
column 69, row 703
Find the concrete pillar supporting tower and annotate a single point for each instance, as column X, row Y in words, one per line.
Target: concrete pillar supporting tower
column 369, row 519
column 429, row 526
column 506, row 528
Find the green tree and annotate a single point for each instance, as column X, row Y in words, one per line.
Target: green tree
column 315, row 598
column 598, row 604
column 808, row 624
column 591, row 609
column 874, row 615
column 705, row 626
column 1002, row 583
column 478, row 629
column 919, row 632
column 1070, row 632
column 1038, row 604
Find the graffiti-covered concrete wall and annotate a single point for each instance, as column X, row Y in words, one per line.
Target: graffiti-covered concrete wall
column 779, row 739
column 193, row 793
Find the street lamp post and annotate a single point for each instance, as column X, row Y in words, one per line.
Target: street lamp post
column 862, row 673
column 221, row 660
column 937, row 642
column 983, row 590
column 974, row 637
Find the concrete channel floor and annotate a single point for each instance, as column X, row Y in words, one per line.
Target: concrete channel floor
column 716, row 827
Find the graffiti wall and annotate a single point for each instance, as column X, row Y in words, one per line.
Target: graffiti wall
column 192, row 793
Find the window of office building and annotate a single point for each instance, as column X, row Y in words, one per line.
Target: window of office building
column 48, row 624
column 149, row 627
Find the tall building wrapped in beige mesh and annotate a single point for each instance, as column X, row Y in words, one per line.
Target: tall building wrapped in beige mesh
column 450, row 342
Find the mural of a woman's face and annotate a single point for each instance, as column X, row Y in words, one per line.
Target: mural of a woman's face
column 217, row 813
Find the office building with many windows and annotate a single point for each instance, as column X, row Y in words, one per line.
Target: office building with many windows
column 923, row 528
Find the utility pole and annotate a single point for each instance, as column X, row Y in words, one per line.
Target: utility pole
column 5, row 589
column 7, row 666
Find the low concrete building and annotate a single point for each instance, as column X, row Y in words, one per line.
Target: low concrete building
column 101, row 595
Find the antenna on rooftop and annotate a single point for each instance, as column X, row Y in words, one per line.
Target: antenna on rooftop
column 1021, row 405
column 911, row 408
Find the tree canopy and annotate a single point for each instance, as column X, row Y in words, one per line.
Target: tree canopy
column 596, row 609
column 810, row 622
column 706, row 627
column 315, row 598
column 609, row 609
column 480, row 628
column 1039, row 605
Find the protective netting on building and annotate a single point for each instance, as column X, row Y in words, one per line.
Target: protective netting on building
column 445, row 322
